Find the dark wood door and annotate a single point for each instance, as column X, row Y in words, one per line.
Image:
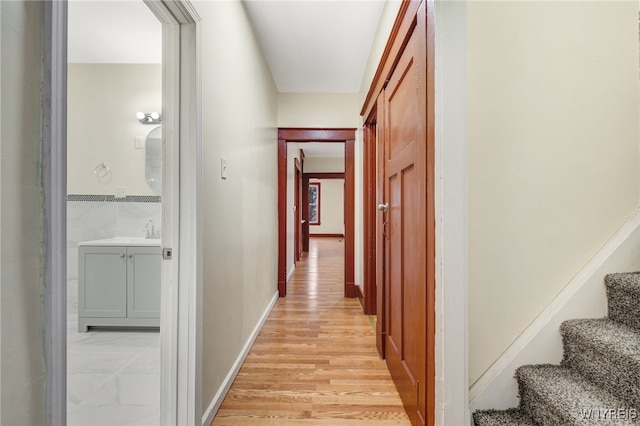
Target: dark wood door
column 405, row 181
column 297, row 214
column 381, row 232
column 299, row 218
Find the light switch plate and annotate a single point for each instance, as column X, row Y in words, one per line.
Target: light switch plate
column 139, row 142
column 121, row 192
column 223, row 167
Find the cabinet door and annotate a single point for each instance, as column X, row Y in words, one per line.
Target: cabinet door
column 143, row 278
column 102, row 287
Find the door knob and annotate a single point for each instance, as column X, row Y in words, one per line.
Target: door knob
column 383, row 207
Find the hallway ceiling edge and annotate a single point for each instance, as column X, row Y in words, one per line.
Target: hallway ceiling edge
column 311, row 46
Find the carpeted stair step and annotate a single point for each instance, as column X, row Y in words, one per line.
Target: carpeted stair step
column 557, row 396
column 511, row 417
column 623, row 294
column 607, row 353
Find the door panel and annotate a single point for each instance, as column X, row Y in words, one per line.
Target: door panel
column 405, row 179
column 394, row 267
column 102, row 291
column 143, row 282
column 402, row 109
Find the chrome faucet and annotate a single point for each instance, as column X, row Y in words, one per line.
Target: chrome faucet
column 151, row 232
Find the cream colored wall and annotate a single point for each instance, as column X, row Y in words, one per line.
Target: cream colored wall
column 323, row 164
column 331, row 207
column 239, row 110
column 22, row 383
column 103, row 100
column 377, row 47
column 318, row 110
column 293, row 152
column 553, row 154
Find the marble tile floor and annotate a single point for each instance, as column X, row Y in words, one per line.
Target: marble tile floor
column 113, row 377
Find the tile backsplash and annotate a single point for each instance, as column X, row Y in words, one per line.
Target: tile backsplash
column 91, row 217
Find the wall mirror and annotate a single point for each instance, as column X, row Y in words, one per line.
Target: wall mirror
column 153, row 160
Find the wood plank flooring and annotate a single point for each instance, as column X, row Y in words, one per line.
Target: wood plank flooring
column 314, row 362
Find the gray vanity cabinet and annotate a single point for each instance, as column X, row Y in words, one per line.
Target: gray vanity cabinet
column 118, row 286
column 143, row 282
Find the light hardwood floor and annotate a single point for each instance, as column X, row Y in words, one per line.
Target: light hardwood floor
column 315, row 361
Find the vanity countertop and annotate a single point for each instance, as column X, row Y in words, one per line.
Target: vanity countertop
column 123, row 241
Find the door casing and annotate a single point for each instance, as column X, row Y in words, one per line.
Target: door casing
column 302, row 135
column 369, row 214
column 298, row 213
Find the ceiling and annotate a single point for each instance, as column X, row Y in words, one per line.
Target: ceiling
column 316, row 46
column 311, row 46
column 110, row 31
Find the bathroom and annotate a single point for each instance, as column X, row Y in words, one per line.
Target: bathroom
column 114, row 159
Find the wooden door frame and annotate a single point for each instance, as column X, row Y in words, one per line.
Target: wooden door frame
column 301, row 135
column 369, row 214
column 380, row 233
column 306, row 177
column 298, row 214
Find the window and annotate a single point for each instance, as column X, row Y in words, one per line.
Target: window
column 314, row 203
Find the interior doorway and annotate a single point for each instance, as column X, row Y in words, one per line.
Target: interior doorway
column 297, row 135
column 114, row 213
column 181, row 241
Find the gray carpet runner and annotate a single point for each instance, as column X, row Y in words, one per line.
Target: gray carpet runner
column 598, row 380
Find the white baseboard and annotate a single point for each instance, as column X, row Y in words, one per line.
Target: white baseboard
column 216, row 402
column 291, row 271
column 583, row 297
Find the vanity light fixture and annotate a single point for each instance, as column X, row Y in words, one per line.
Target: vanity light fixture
column 149, row 117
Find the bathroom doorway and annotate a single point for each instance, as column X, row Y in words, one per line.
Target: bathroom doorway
column 173, row 227
column 114, row 213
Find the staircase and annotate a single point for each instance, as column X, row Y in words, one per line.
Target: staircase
column 598, row 380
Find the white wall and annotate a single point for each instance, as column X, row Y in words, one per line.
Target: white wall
column 103, row 100
column 553, row 154
column 293, row 152
column 331, row 207
column 239, row 110
column 318, row 110
column 22, row 381
column 323, row 164
column 377, row 47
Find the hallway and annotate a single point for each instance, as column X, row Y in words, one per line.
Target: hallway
column 315, row 360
